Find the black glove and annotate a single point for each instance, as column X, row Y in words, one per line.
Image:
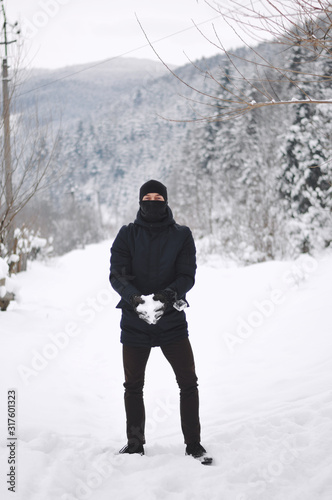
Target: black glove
column 166, row 296
column 136, row 300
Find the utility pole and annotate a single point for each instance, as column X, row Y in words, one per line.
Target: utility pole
column 6, row 126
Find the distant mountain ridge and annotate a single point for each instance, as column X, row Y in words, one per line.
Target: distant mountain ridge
column 81, row 89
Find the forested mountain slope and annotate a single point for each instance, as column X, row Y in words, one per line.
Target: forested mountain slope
column 255, row 187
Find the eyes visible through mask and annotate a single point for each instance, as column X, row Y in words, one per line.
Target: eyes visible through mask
column 153, row 197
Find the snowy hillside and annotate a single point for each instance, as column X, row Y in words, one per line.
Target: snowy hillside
column 263, row 347
column 74, row 92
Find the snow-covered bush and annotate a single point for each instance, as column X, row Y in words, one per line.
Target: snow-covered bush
column 7, row 285
column 28, row 245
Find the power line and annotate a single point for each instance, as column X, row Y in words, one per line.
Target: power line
column 117, row 57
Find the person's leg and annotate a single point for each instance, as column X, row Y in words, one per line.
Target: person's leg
column 134, row 364
column 180, row 356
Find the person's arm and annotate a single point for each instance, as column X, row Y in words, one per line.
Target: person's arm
column 121, row 268
column 185, row 268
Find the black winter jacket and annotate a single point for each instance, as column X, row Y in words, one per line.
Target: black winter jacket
column 146, row 258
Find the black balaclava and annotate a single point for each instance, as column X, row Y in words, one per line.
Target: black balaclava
column 153, row 211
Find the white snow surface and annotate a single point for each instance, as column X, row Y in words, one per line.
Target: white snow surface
column 262, row 341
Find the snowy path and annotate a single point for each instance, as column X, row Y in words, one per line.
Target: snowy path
column 263, row 346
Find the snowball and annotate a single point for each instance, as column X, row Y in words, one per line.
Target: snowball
column 150, row 309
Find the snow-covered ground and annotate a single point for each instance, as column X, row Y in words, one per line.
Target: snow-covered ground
column 262, row 340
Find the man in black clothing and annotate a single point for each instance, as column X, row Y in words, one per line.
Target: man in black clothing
column 153, row 261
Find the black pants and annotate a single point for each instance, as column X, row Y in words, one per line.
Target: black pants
column 180, row 356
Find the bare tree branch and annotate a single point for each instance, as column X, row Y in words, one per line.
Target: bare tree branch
column 286, row 26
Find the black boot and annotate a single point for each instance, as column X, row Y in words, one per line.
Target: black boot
column 196, row 450
column 132, row 448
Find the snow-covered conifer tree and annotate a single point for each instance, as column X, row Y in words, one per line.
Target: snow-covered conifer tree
column 305, row 180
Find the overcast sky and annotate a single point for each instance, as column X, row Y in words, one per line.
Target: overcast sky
column 64, row 32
